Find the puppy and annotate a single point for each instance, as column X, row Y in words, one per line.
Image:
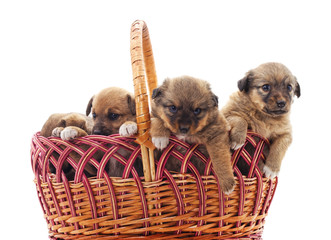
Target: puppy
column 263, row 105
column 113, row 111
column 186, row 107
column 67, row 126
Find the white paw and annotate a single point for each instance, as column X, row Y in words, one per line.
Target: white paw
column 128, row 129
column 235, row 145
column 57, row 131
column 160, row 142
column 229, row 191
column 69, row 133
column 269, row 173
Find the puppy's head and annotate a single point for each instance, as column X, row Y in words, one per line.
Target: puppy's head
column 185, row 104
column 110, row 109
column 271, row 87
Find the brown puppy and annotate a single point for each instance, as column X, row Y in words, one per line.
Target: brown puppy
column 114, row 111
column 111, row 108
column 186, row 107
column 263, row 105
column 67, row 126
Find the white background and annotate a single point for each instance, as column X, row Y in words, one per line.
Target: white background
column 54, row 55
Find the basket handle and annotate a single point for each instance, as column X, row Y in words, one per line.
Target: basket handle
column 143, row 70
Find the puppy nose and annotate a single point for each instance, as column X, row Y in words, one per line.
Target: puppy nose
column 97, row 132
column 281, row 103
column 183, row 129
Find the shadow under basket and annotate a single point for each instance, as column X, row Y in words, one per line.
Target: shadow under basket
column 181, row 205
column 81, row 199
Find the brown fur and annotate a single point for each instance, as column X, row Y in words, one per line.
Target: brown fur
column 110, row 108
column 82, row 123
column 186, row 107
column 263, row 104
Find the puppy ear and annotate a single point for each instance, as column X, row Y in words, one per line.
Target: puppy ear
column 243, row 84
column 62, row 123
column 156, row 92
column 131, row 104
column 297, row 91
column 89, row 106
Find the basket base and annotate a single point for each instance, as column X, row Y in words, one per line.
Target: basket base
column 157, row 236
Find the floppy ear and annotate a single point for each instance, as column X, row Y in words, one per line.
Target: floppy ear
column 62, row 123
column 243, row 84
column 131, row 104
column 297, row 91
column 158, row 91
column 89, row 106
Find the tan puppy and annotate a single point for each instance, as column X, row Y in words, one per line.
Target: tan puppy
column 263, row 104
column 67, row 126
column 114, row 111
column 111, row 108
column 186, row 107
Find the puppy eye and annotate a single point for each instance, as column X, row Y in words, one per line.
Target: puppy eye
column 289, row 88
column 173, row 109
column 113, row 116
column 94, row 115
column 266, row 87
column 197, row 111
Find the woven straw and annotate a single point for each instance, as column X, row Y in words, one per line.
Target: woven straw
column 160, row 205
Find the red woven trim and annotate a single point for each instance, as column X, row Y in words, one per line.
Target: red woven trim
column 241, row 195
column 162, row 161
column 178, row 197
column 129, row 164
column 104, row 161
column 70, row 200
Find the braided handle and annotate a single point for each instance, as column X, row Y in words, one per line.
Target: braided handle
column 143, row 69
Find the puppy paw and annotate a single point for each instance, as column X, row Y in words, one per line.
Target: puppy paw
column 128, row 129
column 269, row 173
column 235, row 145
column 69, row 133
column 57, row 131
column 228, row 185
column 160, row 142
column 237, row 141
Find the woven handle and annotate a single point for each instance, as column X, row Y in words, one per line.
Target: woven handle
column 143, row 69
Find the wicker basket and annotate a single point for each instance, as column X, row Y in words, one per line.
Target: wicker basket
column 160, row 205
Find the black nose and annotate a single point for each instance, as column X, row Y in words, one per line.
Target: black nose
column 183, row 129
column 281, row 104
column 97, row 132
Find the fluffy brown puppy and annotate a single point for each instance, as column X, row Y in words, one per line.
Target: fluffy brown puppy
column 186, row 107
column 111, row 108
column 263, row 104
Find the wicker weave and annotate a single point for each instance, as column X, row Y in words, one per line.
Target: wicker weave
column 160, row 205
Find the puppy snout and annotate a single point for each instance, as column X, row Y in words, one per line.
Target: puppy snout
column 281, row 103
